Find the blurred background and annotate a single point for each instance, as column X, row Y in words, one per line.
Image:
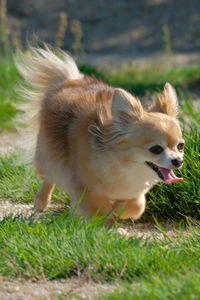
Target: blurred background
column 106, row 32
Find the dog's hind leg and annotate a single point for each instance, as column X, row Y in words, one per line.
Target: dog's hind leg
column 43, row 197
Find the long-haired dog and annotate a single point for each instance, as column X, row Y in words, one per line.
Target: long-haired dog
column 88, row 136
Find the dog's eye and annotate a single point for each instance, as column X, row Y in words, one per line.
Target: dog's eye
column 156, row 149
column 180, row 147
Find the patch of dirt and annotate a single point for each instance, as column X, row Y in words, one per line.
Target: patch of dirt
column 8, row 208
column 151, row 232
column 144, row 230
column 9, row 142
column 16, row 289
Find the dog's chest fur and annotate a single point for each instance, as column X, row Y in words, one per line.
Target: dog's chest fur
column 119, row 181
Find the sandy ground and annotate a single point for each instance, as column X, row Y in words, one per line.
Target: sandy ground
column 8, row 143
column 47, row 290
column 145, row 230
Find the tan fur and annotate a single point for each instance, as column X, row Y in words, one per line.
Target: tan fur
column 91, row 137
column 128, row 208
column 44, row 196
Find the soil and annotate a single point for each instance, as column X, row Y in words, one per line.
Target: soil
column 114, row 32
column 18, row 289
column 8, row 142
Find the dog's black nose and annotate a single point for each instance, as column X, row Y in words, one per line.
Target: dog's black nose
column 177, row 162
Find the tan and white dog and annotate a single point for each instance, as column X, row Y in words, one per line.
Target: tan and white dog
column 87, row 135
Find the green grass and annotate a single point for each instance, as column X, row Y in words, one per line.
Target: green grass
column 63, row 246
column 19, row 182
column 178, row 286
column 149, row 78
column 9, row 78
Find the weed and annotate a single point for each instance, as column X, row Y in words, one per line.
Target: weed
column 62, row 27
column 77, row 31
column 9, row 38
column 168, row 46
column 4, row 28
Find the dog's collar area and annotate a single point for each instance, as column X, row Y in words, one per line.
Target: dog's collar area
column 167, row 175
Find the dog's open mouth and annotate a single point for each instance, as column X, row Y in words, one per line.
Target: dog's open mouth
column 166, row 175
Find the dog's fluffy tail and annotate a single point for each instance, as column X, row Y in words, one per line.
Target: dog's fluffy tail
column 42, row 70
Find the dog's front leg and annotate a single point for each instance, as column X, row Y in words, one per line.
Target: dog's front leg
column 132, row 208
column 91, row 204
column 43, row 197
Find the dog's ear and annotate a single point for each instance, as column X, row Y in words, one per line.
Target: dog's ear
column 125, row 107
column 166, row 102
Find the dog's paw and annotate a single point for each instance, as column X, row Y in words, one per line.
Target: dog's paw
column 122, row 231
column 38, row 206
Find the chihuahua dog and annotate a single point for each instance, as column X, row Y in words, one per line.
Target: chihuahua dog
column 88, row 136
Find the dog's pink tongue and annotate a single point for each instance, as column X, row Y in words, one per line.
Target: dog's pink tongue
column 169, row 175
